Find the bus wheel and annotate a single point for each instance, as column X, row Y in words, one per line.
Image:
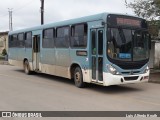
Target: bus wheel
column 78, row 78
column 27, row 68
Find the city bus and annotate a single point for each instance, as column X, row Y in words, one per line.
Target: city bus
column 104, row 49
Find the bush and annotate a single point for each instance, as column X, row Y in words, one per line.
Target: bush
column 2, row 57
column 4, row 52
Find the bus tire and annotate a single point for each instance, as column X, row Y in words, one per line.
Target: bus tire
column 27, row 68
column 78, row 78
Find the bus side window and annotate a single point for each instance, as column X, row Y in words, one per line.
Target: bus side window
column 14, row 40
column 20, row 41
column 62, row 37
column 10, row 41
column 48, row 38
column 28, row 40
column 79, row 36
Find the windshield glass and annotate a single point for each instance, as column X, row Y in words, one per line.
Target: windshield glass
column 127, row 44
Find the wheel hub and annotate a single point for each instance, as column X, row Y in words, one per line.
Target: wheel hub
column 77, row 77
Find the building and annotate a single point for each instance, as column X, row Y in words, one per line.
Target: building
column 154, row 30
column 3, row 41
column 157, row 55
column 157, row 52
column 152, row 55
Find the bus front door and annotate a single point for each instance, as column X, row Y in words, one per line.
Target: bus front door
column 97, row 36
column 36, row 52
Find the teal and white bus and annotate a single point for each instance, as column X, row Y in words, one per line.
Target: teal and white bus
column 105, row 49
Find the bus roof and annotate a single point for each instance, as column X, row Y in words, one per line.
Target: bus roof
column 101, row 16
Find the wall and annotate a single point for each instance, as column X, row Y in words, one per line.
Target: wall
column 157, row 55
column 152, row 53
column 3, row 41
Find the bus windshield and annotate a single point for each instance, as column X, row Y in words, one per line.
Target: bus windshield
column 128, row 44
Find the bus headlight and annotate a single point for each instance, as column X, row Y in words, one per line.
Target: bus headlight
column 146, row 69
column 112, row 70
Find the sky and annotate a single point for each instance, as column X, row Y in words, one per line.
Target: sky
column 26, row 13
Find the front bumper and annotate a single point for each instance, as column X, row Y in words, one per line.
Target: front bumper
column 110, row 79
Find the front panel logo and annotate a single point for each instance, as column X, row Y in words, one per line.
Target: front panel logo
column 6, row 114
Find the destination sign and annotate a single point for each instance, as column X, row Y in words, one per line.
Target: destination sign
column 128, row 22
column 125, row 21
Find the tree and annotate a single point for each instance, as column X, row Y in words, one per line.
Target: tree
column 4, row 52
column 149, row 10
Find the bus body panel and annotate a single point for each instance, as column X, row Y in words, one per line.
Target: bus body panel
column 48, row 61
column 48, row 56
column 62, row 62
column 16, row 56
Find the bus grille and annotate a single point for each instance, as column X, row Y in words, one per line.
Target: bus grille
column 134, row 72
column 131, row 78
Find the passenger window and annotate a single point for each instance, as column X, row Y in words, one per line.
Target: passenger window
column 79, row 36
column 48, row 38
column 13, row 41
column 20, row 42
column 28, row 40
column 62, row 37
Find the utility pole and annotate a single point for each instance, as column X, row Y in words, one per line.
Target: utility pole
column 42, row 12
column 10, row 19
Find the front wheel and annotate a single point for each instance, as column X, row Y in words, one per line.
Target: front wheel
column 78, row 78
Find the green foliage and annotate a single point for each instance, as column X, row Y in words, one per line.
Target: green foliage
column 4, row 52
column 157, row 5
column 154, row 27
column 148, row 9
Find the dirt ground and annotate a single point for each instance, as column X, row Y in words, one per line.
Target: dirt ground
column 155, row 77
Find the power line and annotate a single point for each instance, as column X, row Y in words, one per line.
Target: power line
column 10, row 10
column 4, row 15
column 25, row 5
column 22, row 7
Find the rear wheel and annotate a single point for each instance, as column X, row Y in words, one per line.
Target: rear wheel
column 27, row 68
column 78, row 78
